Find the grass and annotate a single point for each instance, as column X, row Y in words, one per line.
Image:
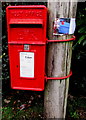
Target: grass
column 31, row 113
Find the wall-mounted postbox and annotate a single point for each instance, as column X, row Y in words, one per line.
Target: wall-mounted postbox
column 26, row 27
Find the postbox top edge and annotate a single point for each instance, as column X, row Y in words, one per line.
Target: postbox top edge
column 27, row 6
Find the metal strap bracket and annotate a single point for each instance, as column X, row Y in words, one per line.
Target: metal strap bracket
column 59, row 78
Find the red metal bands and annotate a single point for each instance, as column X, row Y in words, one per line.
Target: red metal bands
column 65, row 77
column 71, row 39
column 59, row 78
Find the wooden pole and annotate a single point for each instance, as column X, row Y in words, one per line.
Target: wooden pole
column 58, row 61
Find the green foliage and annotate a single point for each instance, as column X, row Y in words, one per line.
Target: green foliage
column 79, row 53
column 7, row 113
column 75, row 107
column 75, row 115
column 32, row 113
column 81, row 24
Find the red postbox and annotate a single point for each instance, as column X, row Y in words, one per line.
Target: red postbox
column 26, row 27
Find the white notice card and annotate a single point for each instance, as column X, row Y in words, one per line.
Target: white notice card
column 26, row 64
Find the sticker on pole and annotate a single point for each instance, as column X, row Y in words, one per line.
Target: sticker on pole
column 27, row 64
column 64, row 26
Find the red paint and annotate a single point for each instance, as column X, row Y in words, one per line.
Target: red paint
column 27, row 25
column 62, row 22
column 59, row 78
column 66, row 40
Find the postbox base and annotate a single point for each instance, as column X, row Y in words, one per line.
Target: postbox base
column 32, row 89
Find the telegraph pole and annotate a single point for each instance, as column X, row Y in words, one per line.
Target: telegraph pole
column 58, row 61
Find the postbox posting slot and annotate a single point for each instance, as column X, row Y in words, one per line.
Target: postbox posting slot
column 25, row 25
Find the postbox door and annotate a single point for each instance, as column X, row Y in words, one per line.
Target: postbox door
column 27, row 68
